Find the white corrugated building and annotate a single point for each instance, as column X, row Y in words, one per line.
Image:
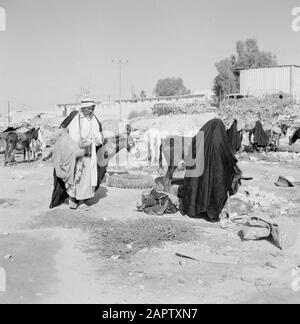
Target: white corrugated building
column 272, row 80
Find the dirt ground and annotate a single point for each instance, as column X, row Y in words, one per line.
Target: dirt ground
column 51, row 265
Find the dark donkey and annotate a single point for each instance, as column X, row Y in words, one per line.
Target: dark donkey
column 105, row 153
column 294, row 138
column 19, row 142
column 111, row 147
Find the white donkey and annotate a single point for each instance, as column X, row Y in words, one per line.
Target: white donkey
column 37, row 147
column 152, row 139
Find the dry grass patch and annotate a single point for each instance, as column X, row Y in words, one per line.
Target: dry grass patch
column 120, row 239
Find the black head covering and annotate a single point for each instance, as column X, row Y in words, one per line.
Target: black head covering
column 261, row 139
column 234, row 137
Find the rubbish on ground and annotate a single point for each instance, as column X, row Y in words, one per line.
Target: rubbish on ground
column 255, row 229
column 18, row 178
column 296, row 271
column 269, row 265
column 226, row 223
column 9, row 258
column 6, row 204
column 285, row 182
column 209, row 259
column 283, row 232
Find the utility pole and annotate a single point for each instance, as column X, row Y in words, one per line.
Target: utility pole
column 8, row 112
column 120, row 64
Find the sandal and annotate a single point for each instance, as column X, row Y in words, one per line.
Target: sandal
column 73, row 205
column 84, row 207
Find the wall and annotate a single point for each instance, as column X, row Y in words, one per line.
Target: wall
column 258, row 82
column 107, row 111
column 296, row 83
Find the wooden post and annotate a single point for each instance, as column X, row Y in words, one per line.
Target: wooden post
column 8, row 112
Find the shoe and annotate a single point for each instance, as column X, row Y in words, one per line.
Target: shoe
column 73, row 205
column 84, row 207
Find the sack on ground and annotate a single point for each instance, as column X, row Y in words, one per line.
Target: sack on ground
column 282, row 231
column 284, row 234
column 157, row 203
column 256, row 229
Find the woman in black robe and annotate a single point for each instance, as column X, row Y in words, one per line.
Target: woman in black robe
column 206, row 195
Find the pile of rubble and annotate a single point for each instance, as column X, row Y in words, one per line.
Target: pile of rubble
column 253, row 199
column 269, row 110
column 271, row 157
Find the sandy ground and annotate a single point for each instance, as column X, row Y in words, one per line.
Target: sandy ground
column 51, row 265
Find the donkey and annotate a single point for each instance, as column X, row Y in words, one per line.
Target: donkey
column 275, row 135
column 20, row 142
column 112, row 146
column 175, row 149
column 38, row 147
column 105, row 153
column 294, row 138
column 152, row 139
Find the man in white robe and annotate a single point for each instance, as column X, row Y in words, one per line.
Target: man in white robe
column 84, row 130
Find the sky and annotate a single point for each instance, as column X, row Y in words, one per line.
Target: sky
column 51, row 49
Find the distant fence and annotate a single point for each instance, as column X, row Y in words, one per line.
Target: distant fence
column 111, row 110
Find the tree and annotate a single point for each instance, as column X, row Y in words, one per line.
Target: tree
column 248, row 56
column 170, row 87
column 225, row 82
column 143, row 94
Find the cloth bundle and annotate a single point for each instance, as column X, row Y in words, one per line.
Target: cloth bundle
column 157, row 203
column 284, row 234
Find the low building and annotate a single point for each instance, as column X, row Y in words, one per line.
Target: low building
column 111, row 110
column 258, row 82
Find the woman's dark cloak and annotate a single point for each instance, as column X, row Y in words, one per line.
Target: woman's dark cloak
column 206, row 195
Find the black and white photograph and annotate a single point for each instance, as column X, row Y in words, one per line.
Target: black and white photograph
column 149, row 154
